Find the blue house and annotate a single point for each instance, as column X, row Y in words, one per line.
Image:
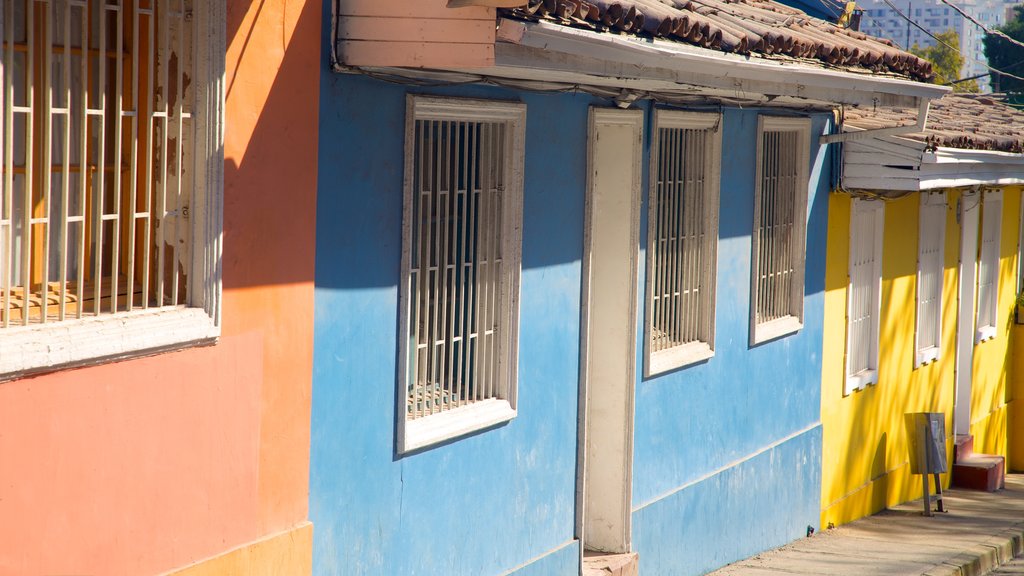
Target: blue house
column 569, row 282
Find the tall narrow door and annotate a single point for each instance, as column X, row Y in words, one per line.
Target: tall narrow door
column 608, row 369
column 970, row 209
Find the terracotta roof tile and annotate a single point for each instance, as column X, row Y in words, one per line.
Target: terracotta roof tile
column 967, row 122
column 760, row 27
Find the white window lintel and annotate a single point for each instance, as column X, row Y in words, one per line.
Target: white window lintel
column 785, row 123
column 687, row 120
column 466, row 109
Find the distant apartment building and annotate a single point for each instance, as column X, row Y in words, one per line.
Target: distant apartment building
column 880, row 19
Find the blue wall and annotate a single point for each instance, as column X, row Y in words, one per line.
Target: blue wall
column 478, row 505
column 727, row 452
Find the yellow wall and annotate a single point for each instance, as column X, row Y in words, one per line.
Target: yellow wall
column 865, row 457
column 1015, row 406
column 991, row 393
column 288, row 552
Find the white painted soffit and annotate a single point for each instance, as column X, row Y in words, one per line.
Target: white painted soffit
column 954, row 167
column 900, row 164
column 551, row 52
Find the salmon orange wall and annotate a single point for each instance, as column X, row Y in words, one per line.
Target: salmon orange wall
column 865, row 455
column 150, row 465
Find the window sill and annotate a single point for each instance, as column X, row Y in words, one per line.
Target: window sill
column 437, row 428
column 984, row 333
column 775, row 329
column 45, row 347
column 677, row 357
column 926, row 356
column 860, row 380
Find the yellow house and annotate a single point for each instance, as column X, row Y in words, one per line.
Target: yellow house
column 922, row 275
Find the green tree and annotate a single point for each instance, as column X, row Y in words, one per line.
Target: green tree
column 1007, row 56
column 946, row 61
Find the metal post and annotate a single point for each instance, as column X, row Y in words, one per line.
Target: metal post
column 927, row 468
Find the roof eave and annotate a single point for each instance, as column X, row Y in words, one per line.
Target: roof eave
column 960, row 156
column 552, row 47
column 937, row 169
column 956, row 167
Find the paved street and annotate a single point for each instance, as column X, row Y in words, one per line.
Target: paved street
column 981, row 531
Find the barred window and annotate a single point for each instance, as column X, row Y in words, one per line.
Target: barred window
column 682, row 239
column 864, row 293
column 780, row 214
column 988, row 265
column 462, row 240
column 930, row 266
column 103, row 184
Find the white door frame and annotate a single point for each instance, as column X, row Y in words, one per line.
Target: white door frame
column 608, row 342
column 967, row 288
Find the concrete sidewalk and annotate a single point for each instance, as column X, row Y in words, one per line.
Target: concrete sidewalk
column 981, row 532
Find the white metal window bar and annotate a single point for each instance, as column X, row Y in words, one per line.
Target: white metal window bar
column 988, row 265
column 97, row 171
column 864, row 293
column 682, row 239
column 100, row 172
column 780, row 219
column 930, row 267
column 461, row 266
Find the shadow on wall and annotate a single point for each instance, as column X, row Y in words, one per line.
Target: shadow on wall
column 361, row 165
column 270, row 155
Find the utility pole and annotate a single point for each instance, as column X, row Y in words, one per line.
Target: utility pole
column 910, row 14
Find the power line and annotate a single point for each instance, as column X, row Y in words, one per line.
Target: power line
column 953, row 48
column 976, row 77
column 829, row 7
column 968, row 79
column 988, row 31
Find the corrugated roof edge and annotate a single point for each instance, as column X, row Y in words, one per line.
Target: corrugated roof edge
column 958, row 121
column 761, row 27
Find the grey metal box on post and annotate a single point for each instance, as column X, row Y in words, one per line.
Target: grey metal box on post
column 927, row 433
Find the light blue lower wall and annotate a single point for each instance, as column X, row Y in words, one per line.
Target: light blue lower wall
column 745, row 508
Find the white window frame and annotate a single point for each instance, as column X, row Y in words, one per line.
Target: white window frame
column 704, row 348
column 986, row 321
column 874, row 209
column 932, row 218
column 93, row 340
column 772, row 329
column 417, row 433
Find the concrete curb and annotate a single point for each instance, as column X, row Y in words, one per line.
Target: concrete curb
column 984, row 558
